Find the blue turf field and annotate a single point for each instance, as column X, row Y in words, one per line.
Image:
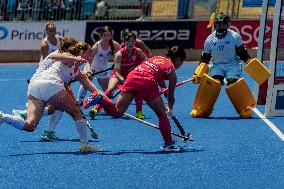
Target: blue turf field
column 228, row 152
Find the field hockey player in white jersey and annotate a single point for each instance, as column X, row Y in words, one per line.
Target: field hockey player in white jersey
column 54, row 116
column 50, row 43
column 102, row 52
column 49, row 87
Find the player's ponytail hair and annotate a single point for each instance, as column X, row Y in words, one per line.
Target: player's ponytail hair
column 176, row 52
column 66, row 43
column 75, row 50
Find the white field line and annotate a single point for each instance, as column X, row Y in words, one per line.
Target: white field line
column 269, row 123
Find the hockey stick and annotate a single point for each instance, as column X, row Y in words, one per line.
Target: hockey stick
column 94, row 134
column 178, row 124
column 184, row 137
column 178, row 84
column 174, row 118
column 95, row 73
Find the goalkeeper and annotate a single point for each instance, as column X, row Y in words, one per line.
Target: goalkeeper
column 227, row 51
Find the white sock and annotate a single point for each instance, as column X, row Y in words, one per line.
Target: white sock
column 53, row 120
column 14, row 121
column 45, row 112
column 81, row 94
column 81, row 127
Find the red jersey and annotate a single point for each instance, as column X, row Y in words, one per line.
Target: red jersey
column 156, row 68
column 122, row 45
column 129, row 62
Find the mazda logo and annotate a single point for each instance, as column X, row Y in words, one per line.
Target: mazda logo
column 95, row 35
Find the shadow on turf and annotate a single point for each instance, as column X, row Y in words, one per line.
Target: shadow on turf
column 231, row 118
column 122, row 152
column 60, row 140
column 109, row 153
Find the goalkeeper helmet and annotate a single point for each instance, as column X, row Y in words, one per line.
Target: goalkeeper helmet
column 221, row 25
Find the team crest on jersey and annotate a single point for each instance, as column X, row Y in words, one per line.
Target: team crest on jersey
column 133, row 57
column 158, row 61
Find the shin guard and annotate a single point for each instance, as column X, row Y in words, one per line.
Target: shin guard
column 206, row 96
column 139, row 103
column 241, row 97
column 165, row 129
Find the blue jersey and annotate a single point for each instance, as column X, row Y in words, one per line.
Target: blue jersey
column 223, row 50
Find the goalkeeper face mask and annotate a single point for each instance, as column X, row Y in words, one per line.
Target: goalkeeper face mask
column 221, row 25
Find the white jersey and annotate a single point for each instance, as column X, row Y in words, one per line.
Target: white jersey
column 43, row 65
column 223, row 50
column 51, row 47
column 100, row 61
column 58, row 73
column 51, row 81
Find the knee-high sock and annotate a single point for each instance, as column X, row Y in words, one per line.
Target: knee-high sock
column 139, row 103
column 109, row 108
column 81, row 127
column 53, row 120
column 165, row 129
column 14, row 121
column 81, row 94
column 98, row 106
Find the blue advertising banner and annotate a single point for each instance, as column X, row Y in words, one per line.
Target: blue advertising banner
column 256, row 3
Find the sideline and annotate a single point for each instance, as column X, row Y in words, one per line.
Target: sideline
column 269, row 123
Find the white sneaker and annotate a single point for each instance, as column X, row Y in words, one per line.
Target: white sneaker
column 88, row 148
column 171, row 148
column 1, row 117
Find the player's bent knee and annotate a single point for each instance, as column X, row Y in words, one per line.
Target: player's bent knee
column 206, row 96
column 30, row 126
column 241, row 97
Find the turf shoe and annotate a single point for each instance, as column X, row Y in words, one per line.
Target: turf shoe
column 88, row 148
column 92, row 100
column 49, row 136
column 140, row 115
column 93, row 113
column 19, row 113
column 171, row 148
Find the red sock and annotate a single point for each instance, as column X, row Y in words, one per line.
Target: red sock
column 139, row 103
column 165, row 129
column 98, row 106
column 109, row 108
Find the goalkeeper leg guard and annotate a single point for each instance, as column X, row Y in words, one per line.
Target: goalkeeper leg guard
column 199, row 72
column 257, row 71
column 206, row 96
column 241, row 97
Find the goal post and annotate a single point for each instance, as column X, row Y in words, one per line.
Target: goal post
column 275, row 92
